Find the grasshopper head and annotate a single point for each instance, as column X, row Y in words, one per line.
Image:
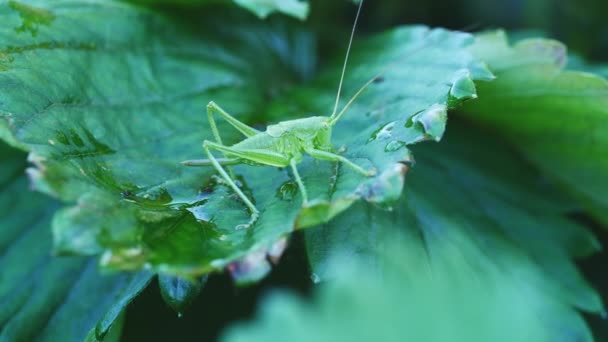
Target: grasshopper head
column 322, row 139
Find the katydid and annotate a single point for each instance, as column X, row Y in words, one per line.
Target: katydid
column 281, row 145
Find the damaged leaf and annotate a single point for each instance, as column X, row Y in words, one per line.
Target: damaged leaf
column 110, row 140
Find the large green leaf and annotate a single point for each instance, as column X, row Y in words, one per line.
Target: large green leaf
column 261, row 8
column 478, row 249
column 109, row 114
column 402, row 304
column 43, row 297
column 112, row 137
column 557, row 118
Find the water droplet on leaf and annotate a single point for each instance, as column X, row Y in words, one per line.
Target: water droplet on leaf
column 180, row 292
column 156, row 196
column 432, row 121
column 394, row 146
column 287, row 191
column 383, row 132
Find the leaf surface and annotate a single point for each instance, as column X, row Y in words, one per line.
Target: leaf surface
column 109, row 115
column 557, row 118
column 261, row 8
column 44, row 297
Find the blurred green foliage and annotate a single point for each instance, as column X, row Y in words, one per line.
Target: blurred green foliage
column 580, row 24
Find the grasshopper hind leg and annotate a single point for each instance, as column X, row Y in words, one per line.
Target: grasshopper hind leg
column 324, row 155
column 255, row 213
column 207, row 162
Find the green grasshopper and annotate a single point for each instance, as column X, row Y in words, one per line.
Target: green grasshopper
column 281, row 145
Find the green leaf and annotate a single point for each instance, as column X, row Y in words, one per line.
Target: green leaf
column 398, row 306
column 43, row 297
column 114, row 143
column 261, row 8
column 478, row 249
column 111, row 138
column 556, row 118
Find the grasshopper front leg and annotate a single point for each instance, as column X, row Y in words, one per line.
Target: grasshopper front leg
column 262, row 157
column 247, row 131
column 254, row 211
column 296, row 174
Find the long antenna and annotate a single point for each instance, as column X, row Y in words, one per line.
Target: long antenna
column 350, row 43
column 336, row 117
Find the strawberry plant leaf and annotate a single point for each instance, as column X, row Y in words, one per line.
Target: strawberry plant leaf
column 556, row 117
column 261, row 8
column 477, row 240
column 110, row 139
column 389, row 115
column 44, row 297
column 414, row 303
column 130, row 172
